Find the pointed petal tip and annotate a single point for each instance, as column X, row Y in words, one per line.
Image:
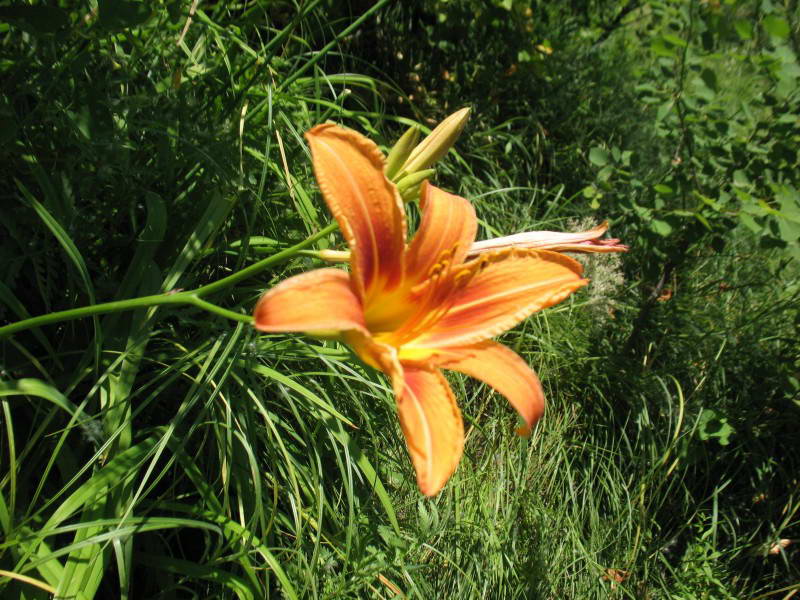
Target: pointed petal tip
column 503, row 370
column 349, row 169
column 524, row 431
column 316, row 301
column 432, row 426
column 429, row 490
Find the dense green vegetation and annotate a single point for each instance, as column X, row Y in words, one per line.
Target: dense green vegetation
column 170, row 451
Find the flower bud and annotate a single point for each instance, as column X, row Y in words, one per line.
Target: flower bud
column 436, row 145
column 409, row 185
column 557, row 241
column 400, row 152
column 333, row 256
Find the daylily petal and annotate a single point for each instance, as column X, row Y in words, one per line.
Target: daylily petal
column 446, row 232
column 349, row 171
column 502, row 369
column 431, row 423
column 320, row 302
column 505, row 287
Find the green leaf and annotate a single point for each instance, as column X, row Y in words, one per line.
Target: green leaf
column 664, row 110
column 61, row 235
column 789, row 200
column 749, row 222
column 35, row 387
column 740, row 178
column 148, row 241
column 660, row 48
column 776, row 26
column 660, row 227
column 214, row 216
column 122, row 467
column 674, row 40
column 605, row 173
column 664, row 190
column 626, row 157
column 8, row 298
column 210, row 573
column 712, row 425
column 709, row 77
column 599, row 156
column 300, row 389
column 744, row 29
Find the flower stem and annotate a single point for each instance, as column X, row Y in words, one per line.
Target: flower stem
column 191, row 297
column 234, row 278
column 94, row 309
column 213, row 308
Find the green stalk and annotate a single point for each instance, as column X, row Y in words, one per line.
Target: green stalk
column 190, row 297
column 234, row 278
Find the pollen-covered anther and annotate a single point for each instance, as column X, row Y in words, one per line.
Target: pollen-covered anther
column 435, row 271
column 483, row 262
column 442, row 264
column 462, row 278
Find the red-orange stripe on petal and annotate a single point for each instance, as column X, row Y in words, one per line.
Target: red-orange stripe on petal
column 317, row 302
column 349, row 171
column 448, row 225
column 502, row 369
column 504, row 287
column 431, row 423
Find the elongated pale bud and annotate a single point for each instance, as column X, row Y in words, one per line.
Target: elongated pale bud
column 334, row 256
column 436, row 145
column 400, row 152
column 557, row 241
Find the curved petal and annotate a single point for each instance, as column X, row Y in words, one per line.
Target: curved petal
column 431, row 423
column 501, row 289
column 446, row 232
column 349, row 171
column 502, row 369
column 320, row 302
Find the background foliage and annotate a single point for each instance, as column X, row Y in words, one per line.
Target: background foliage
column 150, row 147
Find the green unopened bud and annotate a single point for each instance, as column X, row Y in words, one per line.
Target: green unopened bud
column 412, row 179
column 408, row 185
column 400, row 152
column 411, row 194
column 436, row 145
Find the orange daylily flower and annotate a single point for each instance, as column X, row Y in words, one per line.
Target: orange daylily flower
column 413, row 309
